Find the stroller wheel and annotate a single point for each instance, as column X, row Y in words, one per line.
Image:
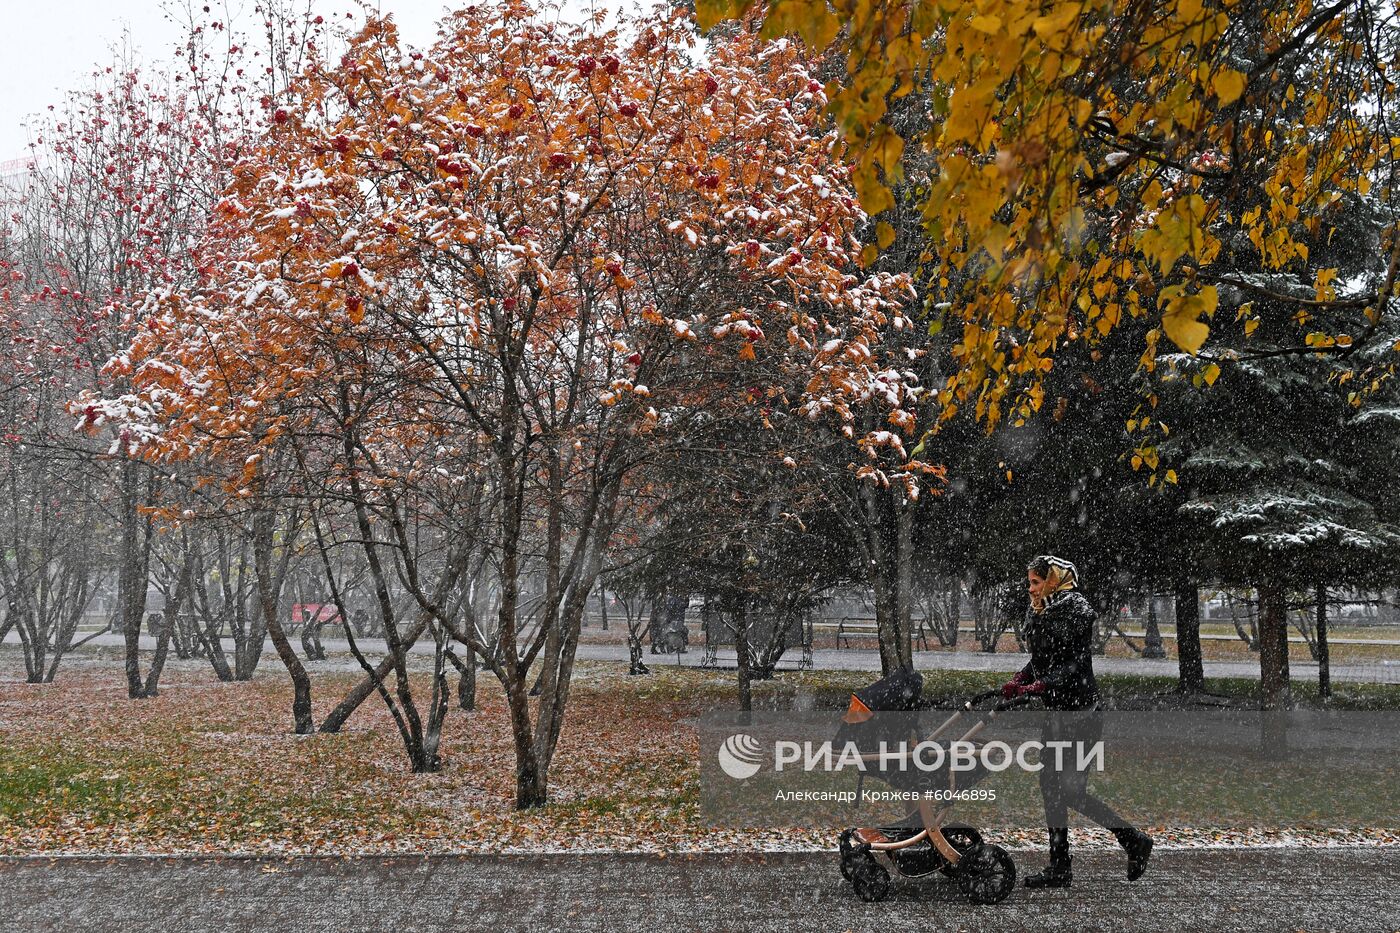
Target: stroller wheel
column 870, row 879
column 847, row 854
column 962, row 838
column 986, row 874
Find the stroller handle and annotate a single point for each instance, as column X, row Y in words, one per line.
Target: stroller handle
column 981, row 698
column 984, row 715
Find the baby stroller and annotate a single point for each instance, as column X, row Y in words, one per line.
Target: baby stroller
column 925, row 841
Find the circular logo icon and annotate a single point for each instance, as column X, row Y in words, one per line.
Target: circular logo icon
column 740, row 756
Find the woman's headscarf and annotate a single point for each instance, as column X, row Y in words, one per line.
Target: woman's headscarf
column 1060, row 575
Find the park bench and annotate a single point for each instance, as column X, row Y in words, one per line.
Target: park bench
column 848, row 627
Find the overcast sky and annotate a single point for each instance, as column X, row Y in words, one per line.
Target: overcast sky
column 48, row 46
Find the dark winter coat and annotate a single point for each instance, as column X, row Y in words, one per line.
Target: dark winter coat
column 1061, row 642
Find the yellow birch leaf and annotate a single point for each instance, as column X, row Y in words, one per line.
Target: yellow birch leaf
column 1228, row 86
column 1052, row 25
column 887, row 149
column 709, row 13
column 1180, row 321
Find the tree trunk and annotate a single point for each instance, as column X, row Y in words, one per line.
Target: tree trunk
column 1273, row 647
column 33, row 653
column 531, row 789
column 269, row 593
column 886, row 612
column 904, row 581
column 162, row 651
column 559, row 663
column 132, row 576
column 466, row 678
column 888, row 529
column 247, row 650
column 430, row 760
column 214, row 645
column 954, row 614
column 654, row 621
column 1152, row 641
column 425, row 757
column 311, row 640
column 636, row 667
column 172, row 614
column 1324, row 655
column 38, row 652
column 361, row 691
column 1191, row 676
column 741, row 651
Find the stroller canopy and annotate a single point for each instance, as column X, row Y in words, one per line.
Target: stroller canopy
column 900, row 692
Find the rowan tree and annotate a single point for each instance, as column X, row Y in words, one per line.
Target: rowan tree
column 51, row 559
column 119, row 181
column 501, row 244
column 100, row 213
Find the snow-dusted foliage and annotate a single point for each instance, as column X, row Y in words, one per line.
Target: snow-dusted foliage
column 527, row 203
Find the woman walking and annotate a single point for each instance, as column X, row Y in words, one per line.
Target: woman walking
column 1059, row 629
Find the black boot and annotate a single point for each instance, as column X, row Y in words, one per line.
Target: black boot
column 1138, row 845
column 1057, row 874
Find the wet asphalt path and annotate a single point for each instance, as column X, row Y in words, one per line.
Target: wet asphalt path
column 1261, row 889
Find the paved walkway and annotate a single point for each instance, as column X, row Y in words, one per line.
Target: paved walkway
column 1231, row 891
column 866, row 659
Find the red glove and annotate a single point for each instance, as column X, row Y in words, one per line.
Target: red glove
column 1036, row 688
column 1012, row 687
